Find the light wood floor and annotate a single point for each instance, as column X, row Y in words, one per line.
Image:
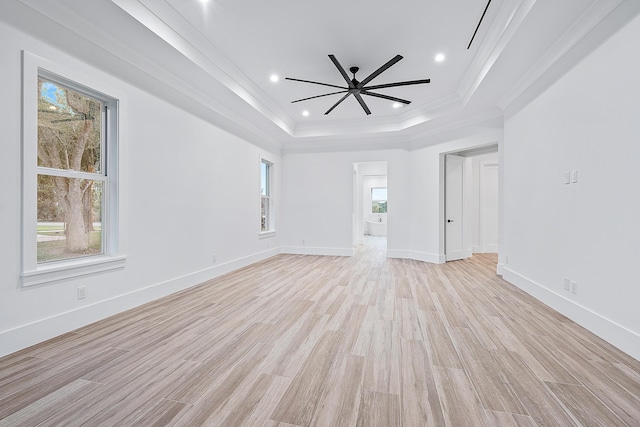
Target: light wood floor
column 331, row 341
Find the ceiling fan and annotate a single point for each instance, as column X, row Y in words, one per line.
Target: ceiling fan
column 356, row 88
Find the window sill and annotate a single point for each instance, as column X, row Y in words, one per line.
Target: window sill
column 265, row 234
column 54, row 272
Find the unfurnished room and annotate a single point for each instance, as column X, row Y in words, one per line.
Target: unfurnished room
column 329, row 213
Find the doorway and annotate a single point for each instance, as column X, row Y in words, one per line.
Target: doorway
column 370, row 193
column 470, row 202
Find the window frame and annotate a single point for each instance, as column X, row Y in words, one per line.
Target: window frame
column 268, row 196
column 112, row 258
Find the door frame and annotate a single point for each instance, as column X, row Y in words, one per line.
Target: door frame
column 467, row 150
column 357, row 221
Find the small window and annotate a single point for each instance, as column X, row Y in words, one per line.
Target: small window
column 379, row 200
column 265, row 196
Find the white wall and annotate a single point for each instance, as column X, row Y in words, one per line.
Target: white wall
column 588, row 231
column 192, row 191
column 319, row 194
column 427, row 189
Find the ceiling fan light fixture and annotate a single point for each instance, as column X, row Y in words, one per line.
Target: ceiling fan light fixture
column 359, row 88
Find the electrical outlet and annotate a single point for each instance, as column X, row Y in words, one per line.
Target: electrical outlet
column 303, row 241
column 506, row 260
column 82, row 292
column 574, row 287
column 213, row 258
column 567, row 285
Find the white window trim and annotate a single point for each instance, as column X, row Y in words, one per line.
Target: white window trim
column 114, row 257
column 271, row 231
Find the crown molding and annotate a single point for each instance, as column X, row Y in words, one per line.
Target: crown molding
column 483, row 121
column 187, row 40
column 341, row 144
column 508, row 19
column 182, row 36
column 563, row 54
column 194, row 75
column 415, row 117
column 490, row 119
column 99, row 47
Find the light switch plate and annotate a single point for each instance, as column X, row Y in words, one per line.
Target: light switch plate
column 574, row 176
column 567, row 177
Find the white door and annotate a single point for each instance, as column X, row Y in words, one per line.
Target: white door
column 454, row 242
column 489, row 207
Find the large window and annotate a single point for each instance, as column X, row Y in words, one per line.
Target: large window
column 71, row 173
column 265, row 196
column 379, row 200
column 71, row 221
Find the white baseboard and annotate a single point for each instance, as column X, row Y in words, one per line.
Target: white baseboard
column 33, row 333
column 307, row 250
column 416, row 255
column 619, row 336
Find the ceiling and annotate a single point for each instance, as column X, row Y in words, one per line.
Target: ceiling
column 216, row 58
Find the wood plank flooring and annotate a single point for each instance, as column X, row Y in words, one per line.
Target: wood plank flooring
column 329, row 341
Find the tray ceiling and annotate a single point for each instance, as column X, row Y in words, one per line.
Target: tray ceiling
column 220, row 55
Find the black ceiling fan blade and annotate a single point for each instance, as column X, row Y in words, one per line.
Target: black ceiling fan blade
column 319, row 96
column 380, row 70
column 390, row 98
column 315, row 83
column 362, row 103
column 342, row 71
column 337, row 103
column 407, row 83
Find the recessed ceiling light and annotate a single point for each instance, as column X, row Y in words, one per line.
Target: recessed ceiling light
column 305, row 113
column 274, row 78
column 439, row 57
column 396, row 105
column 204, row 1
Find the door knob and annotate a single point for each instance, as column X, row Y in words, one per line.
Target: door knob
column 449, row 220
